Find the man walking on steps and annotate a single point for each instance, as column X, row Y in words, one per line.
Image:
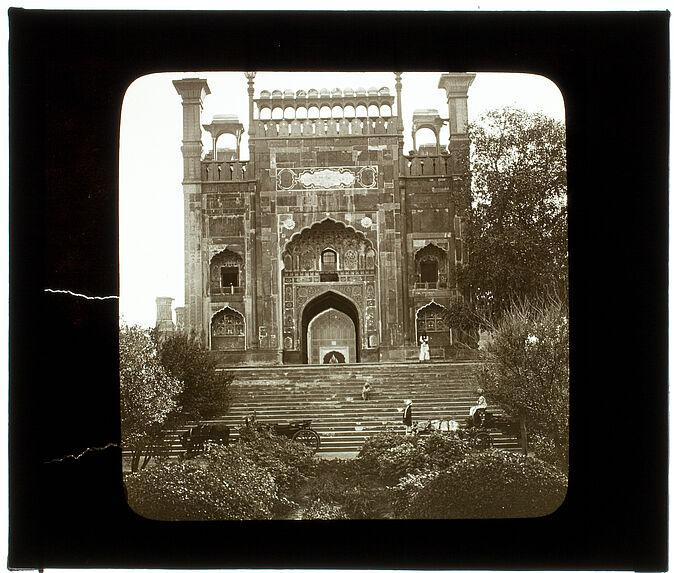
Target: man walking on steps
column 407, row 417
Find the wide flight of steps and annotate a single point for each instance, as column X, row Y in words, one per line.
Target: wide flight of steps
column 330, row 396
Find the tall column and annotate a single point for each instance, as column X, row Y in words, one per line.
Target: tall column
column 399, row 101
column 164, row 314
column 193, row 91
column 402, row 191
column 456, row 86
column 254, row 216
column 250, row 76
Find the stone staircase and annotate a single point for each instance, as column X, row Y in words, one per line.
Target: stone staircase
column 330, row 396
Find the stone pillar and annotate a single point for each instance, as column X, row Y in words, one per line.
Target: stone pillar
column 456, row 86
column 164, row 314
column 255, row 253
column 250, row 76
column 399, row 101
column 192, row 92
column 180, row 318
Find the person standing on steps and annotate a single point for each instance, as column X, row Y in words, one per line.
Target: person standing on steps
column 407, row 417
column 366, row 391
column 424, row 350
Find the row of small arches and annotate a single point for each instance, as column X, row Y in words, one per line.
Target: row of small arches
column 322, row 127
column 335, row 92
column 325, row 112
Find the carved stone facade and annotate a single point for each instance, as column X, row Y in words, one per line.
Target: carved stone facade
column 327, row 228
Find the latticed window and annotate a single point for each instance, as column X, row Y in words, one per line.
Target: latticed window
column 432, row 319
column 228, row 330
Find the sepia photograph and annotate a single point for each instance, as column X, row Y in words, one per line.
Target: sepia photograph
column 344, row 296
column 338, row 290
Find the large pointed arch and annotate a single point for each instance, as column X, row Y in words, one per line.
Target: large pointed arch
column 327, row 300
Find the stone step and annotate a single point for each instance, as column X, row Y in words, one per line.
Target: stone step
column 330, row 396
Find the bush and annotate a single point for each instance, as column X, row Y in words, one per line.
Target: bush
column 322, row 510
column 408, row 488
column 546, row 449
column 288, row 462
column 493, row 484
column 348, row 484
column 395, row 456
column 218, row 485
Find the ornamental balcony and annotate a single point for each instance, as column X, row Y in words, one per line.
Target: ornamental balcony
column 226, row 293
column 434, row 290
column 224, row 170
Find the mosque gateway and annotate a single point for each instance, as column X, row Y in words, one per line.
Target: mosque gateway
column 329, row 244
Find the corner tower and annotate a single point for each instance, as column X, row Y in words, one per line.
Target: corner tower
column 193, row 91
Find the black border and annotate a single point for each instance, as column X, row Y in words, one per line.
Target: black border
column 68, row 74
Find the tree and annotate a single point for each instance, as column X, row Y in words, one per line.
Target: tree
column 527, row 371
column 206, row 390
column 516, row 229
column 148, row 394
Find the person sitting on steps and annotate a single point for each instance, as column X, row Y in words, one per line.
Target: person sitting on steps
column 478, row 411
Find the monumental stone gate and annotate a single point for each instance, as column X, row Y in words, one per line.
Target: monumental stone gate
column 329, row 244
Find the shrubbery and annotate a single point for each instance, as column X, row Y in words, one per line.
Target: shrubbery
column 393, row 456
column 264, row 476
column 218, row 485
column 493, row 484
column 289, row 462
column 251, row 479
column 322, row 510
column 351, row 485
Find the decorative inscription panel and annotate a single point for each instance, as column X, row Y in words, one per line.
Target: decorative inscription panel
column 355, row 177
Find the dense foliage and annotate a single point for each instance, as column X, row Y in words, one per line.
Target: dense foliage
column 527, row 372
column 392, row 456
column 248, row 480
column 206, row 393
column 493, row 484
column 148, row 394
column 217, row 485
column 269, row 477
column 517, row 227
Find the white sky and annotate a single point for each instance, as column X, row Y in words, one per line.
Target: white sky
column 150, row 194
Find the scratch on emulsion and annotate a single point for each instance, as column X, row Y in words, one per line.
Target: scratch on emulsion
column 81, row 295
column 78, row 456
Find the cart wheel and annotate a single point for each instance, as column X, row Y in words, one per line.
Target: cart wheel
column 309, row 438
column 483, row 440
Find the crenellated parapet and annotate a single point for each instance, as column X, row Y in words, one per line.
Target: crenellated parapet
column 335, row 100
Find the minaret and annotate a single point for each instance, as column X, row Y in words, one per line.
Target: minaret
column 254, row 246
column 193, row 91
column 399, row 101
column 164, row 315
column 456, row 86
